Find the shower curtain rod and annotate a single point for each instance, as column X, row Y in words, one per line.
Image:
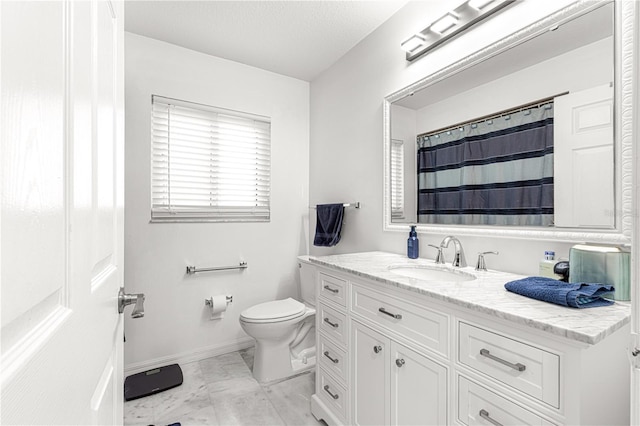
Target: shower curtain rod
column 502, row 113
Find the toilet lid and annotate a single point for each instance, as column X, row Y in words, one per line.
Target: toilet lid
column 277, row 309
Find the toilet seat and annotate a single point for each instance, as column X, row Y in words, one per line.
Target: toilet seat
column 274, row 311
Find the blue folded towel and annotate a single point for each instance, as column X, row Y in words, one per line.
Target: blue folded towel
column 328, row 224
column 576, row 295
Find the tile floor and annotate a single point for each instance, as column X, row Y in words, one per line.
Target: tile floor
column 222, row 391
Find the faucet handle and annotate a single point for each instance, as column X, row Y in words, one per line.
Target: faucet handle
column 481, row 265
column 440, row 256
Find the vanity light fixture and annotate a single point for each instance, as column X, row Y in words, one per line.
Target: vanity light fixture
column 444, row 23
column 479, row 4
column 449, row 25
column 412, row 43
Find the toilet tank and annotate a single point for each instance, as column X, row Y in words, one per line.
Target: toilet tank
column 307, row 279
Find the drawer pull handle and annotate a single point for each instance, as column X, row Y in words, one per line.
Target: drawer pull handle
column 333, row 395
column 332, row 324
column 377, row 349
column 384, row 311
column 518, row 366
column 333, row 360
column 332, row 290
column 400, row 362
column 485, row 415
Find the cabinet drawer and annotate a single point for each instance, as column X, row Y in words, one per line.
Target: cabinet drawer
column 333, row 394
column 532, row 370
column 333, row 324
column 422, row 325
column 333, row 359
column 333, row 288
column 479, row 406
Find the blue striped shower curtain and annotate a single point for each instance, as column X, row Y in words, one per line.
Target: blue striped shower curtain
column 493, row 172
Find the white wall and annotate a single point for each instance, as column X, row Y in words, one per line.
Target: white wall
column 176, row 325
column 346, row 130
column 527, row 85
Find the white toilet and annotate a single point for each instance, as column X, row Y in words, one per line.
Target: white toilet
column 284, row 331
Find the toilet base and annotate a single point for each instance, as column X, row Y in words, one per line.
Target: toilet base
column 305, row 361
column 271, row 363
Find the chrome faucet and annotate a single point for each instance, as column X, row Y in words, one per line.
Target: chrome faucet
column 458, row 258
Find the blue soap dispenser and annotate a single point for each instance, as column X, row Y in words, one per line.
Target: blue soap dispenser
column 413, row 248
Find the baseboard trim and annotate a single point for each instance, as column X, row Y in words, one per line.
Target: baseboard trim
column 191, row 356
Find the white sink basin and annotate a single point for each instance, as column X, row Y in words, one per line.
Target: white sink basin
column 427, row 273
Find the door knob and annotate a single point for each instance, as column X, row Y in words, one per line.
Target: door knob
column 377, row 349
column 128, row 299
column 400, row 362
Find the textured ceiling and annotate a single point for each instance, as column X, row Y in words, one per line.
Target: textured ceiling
column 296, row 38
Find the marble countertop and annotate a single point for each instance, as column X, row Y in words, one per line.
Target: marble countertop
column 487, row 294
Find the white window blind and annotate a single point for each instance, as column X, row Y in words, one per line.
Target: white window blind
column 208, row 164
column 397, row 179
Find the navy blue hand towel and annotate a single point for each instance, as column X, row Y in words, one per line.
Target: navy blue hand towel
column 328, row 224
column 576, row 295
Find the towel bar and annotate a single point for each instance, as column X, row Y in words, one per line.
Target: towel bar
column 193, row 270
column 354, row 205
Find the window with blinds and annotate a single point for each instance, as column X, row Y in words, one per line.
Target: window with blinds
column 397, row 179
column 208, row 164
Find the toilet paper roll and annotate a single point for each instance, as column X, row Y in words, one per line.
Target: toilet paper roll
column 218, row 306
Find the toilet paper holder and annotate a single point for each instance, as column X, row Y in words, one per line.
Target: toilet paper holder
column 209, row 301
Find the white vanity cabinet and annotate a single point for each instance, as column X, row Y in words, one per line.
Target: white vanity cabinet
column 401, row 357
column 370, row 380
column 391, row 380
column 419, row 390
column 332, row 337
column 393, row 384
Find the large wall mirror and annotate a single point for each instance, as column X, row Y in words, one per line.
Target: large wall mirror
column 528, row 137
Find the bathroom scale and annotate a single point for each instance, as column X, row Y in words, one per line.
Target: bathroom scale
column 152, row 381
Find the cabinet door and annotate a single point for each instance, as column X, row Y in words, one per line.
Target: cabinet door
column 418, row 388
column 370, row 376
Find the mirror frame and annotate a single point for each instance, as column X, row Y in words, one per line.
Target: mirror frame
column 624, row 31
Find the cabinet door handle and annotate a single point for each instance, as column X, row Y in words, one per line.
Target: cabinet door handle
column 334, row 360
column 400, row 362
column 377, row 349
column 485, row 415
column 332, row 324
column 332, row 290
column 517, row 366
column 384, row 311
column 333, row 395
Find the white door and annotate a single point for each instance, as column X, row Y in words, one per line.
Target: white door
column 62, row 212
column 583, row 158
column 370, row 394
column 418, row 389
column 634, row 347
